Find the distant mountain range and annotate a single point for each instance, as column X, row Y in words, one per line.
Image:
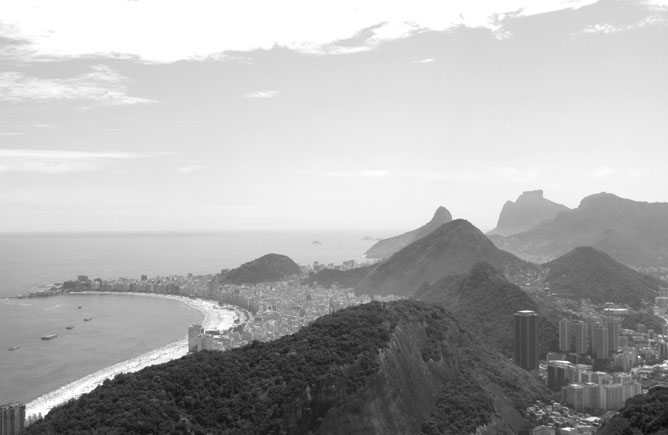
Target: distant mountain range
column 386, row 247
column 632, row 232
column 395, row 368
column 456, row 247
column 529, row 211
column 270, row 267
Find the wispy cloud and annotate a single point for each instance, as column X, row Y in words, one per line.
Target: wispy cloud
column 102, row 86
column 12, row 133
column 603, row 172
column 191, row 168
column 358, row 174
column 427, row 60
column 262, row 94
column 62, row 162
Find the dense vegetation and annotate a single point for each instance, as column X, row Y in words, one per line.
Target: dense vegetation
column 460, row 408
column 343, row 278
column 295, row 385
column 238, row 391
column 486, row 302
column 270, row 267
column 588, row 273
column 650, row 321
column 642, row 415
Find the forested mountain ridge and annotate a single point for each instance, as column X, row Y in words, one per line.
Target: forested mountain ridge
column 402, row 367
column 270, row 267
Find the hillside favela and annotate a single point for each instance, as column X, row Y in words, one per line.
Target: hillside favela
column 336, row 218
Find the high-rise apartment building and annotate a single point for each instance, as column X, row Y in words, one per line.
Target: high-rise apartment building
column 580, row 332
column 526, row 339
column 600, row 341
column 12, row 418
column 564, row 335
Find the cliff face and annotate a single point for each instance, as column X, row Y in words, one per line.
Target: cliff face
column 386, row 247
column 529, row 211
column 403, row 367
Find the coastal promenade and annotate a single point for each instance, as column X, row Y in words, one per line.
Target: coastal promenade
column 214, row 317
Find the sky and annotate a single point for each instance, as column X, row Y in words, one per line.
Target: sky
column 174, row 115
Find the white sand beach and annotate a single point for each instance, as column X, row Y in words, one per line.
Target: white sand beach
column 215, row 317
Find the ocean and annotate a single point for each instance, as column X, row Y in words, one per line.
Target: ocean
column 32, row 260
column 123, row 326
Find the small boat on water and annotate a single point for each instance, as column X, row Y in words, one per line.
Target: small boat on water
column 69, row 327
column 15, row 347
column 79, row 306
column 49, row 337
column 88, row 319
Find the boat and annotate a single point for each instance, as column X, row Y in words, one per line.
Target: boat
column 69, row 327
column 79, row 306
column 15, row 347
column 49, row 337
column 88, row 319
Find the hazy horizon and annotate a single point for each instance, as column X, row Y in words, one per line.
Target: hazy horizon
column 169, row 116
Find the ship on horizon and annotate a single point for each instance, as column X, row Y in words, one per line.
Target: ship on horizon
column 49, row 337
column 88, row 319
column 15, row 347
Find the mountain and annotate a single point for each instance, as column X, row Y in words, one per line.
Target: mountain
column 529, row 211
column 386, row 247
column 486, row 301
column 452, row 249
column 380, row 368
column 642, row 414
column 270, row 267
column 633, row 232
column 343, row 278
column 587, row 273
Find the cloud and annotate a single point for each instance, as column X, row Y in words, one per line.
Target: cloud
column 428, row 60
column 358, row 174
column 12, row 133
column 191, row 168
column 62, row 162
column 48, row 30
column 102, row 86
column 262, row 94
column 603, row 172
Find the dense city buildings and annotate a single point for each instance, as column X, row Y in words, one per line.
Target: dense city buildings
column 526, row 339
column 12, row 418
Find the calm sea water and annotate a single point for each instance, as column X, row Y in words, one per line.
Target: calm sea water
column 29, row 260
column 123, row 326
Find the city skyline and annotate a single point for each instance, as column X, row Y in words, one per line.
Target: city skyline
column 164, row 116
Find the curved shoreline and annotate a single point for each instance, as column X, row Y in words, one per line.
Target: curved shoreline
column 215, row 317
